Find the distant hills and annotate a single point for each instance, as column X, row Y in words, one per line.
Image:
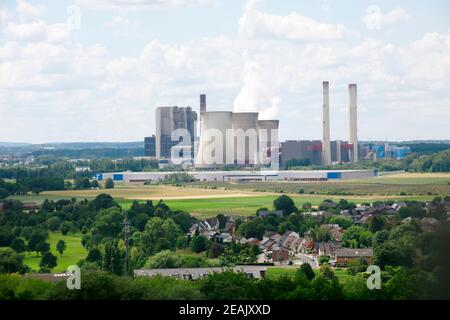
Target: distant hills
column 73, row 145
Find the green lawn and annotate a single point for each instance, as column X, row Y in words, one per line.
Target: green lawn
column 248, row 205
column 72, row 255
column 275, row 272
column 238, row 205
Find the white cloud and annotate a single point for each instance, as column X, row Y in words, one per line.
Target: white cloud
column 117, row 21
column 37, row 30
column 375, row 18
column 294, row 26
column 26, row 10
column 325, row 5
column 25, row 24
column 138, row 4
column 81, row 92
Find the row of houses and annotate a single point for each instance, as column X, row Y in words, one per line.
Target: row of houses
column 278, row 248
column 26, row 206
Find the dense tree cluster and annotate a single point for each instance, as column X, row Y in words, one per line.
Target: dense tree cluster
column 399, row 283
column 403, row 250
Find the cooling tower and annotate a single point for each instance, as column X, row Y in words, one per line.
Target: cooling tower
column 212, row 149
column 245, row 127
column 353, row 122
column 268, row 125
column 326, row 144
column 267, row 130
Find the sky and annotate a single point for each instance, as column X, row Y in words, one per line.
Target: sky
column 95, row 70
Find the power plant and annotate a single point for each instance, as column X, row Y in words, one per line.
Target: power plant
column 234, row 138
column 169, row 119
column 241, row 139
column 326, row 152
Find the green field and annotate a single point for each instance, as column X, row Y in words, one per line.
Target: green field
column 72, row 255
column 409, row 184
column 276, row 272
column 236, row 205
column 248, row 205
column 205, row 199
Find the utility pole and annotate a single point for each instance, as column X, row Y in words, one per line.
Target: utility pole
column 126, row 224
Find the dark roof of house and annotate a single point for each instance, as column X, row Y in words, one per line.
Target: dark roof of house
column 326, row 248
column 47, row 276
column 354, row 253
column 197, row 273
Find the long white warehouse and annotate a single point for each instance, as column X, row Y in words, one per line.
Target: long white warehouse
column 287, row 175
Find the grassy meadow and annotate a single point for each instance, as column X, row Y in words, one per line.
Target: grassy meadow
column 410, row 184
column 205, row 199
column 72, row 255
column 245, row 206
column 276, row 272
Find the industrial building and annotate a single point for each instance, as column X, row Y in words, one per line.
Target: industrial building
column 243, row 140
column 312, row 150
column 242, row 175
column 168, row 119
column 236, row 139
column 326, row 152
column 383, row 151
column 150, row 146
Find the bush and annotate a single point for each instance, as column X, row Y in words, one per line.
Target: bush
column 11, row 262
column 323, row 259
column 163, row 259
column 199, row 244
column 65, row 227
column 109, row 183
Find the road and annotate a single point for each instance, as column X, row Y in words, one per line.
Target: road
column 306, row 258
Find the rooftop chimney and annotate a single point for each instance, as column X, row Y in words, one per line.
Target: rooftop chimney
column 353, row 122
column 326, row 144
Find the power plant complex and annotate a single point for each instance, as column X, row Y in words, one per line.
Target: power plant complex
column 248, row 144
column 242, row 139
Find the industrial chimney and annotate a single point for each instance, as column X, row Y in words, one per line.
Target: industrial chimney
column 353, row 122
column 326, row 144
column 202, row 103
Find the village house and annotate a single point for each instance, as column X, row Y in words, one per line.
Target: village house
column 253, row 241
column 279, row 254
column 200, row 273
column 288, row 237
column 295, row 245
column 226, row 237
column 428, row 223
column 344, row 255
column 266, row 213
column 30, row 206
column 326, row 248
column 266, row 244
column 346, row 214
column 230, row 226
column 307, row 245
column 336, row 232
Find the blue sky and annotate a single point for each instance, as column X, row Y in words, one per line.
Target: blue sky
column 101, row 80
